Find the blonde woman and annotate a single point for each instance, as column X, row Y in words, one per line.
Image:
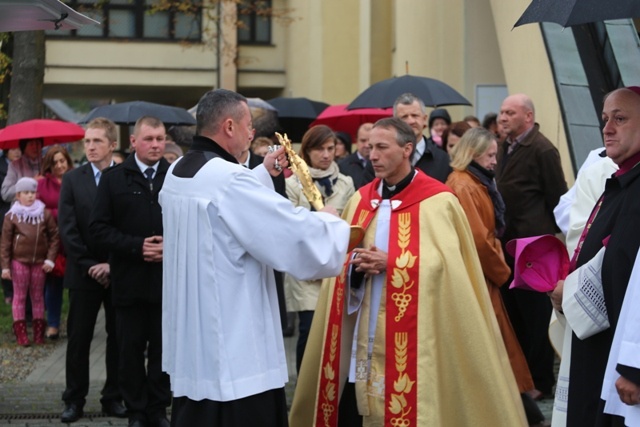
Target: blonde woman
column 473, row 160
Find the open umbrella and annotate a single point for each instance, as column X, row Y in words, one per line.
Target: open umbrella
column 298, row 108
column 127, row 113
column 296, row 114
column 576, row 12
column 51, row 132
column 30, row 15
column 383, row 94
column 338, row 118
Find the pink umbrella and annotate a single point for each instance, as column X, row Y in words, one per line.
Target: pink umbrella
column 51, row 132
column 338, row 118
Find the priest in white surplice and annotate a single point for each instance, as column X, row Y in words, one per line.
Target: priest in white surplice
column 225, row 230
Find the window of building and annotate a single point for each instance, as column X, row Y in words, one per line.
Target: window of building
column 254, row 22
column 138, row 19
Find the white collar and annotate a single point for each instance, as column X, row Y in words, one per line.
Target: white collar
column 143, row 167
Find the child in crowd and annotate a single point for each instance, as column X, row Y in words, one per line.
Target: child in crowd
column 28, row 249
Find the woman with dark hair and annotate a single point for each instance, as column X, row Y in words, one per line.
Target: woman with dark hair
column 343, row 145
column 473, row 159
column 28, row 165
column 55, row 164
column 318, row 151
column 452, row 135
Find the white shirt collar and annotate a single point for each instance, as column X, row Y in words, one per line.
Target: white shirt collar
column 421, row 146
column 246, row 162
column 96, row 170
column 143, row 167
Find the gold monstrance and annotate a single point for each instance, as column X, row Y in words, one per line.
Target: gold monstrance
column 299, row 167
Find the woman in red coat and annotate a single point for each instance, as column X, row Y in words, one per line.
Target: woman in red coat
column 473, row 159
column 55, row 164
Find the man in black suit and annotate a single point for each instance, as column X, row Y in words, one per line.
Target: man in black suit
column 426, row 156
column 87, row 276
column 354, row 164
column 127, row 222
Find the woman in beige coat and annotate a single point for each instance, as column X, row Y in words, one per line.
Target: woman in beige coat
column 318, row 151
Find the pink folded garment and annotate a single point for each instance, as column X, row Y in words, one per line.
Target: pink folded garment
column 540, row 262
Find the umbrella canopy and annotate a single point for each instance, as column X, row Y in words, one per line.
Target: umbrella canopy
column 260, row 103
column 433, row 93
column 298, row 108
column 576, row 12
column 51, row 132
column 127, row 113
column 338, row 118
column 29, row 15
column 296, row 114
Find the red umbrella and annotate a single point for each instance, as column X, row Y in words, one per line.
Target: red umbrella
column 51, row 132
column 338, row 118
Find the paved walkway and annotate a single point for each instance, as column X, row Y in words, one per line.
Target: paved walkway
column 37, row 402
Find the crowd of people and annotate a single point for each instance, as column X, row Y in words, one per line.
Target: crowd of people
column 197, row 257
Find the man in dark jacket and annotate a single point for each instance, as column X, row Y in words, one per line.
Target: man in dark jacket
column 127, row 222
column 426, row 155
column 87, row 276
column 531, row 181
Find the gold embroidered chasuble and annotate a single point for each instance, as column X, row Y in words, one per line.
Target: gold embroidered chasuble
column 438, row 358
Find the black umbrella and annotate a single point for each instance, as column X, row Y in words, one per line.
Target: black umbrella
column 576, row 12
column 433, row 93
column 127, row 113
column 298, row 108
column 296, row 114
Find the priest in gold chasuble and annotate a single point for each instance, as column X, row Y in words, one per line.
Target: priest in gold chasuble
column 406, row 335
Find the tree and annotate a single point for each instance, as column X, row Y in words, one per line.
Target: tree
column 27, row 76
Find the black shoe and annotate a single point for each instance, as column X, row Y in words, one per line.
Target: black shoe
column 137, row 423
column 71, row 413
column 114, row 409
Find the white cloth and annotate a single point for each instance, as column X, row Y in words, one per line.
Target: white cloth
column 588, row 188
column 583, row 299
column 561, row 211
column 625, row 350
column 383, row 221
column 224, row 233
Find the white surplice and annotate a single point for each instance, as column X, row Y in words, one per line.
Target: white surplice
column 224, row 233
column 625, row 350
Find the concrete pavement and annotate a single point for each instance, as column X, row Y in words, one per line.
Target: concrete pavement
column 37, row 402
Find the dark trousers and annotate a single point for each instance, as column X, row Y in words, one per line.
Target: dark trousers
column 305, row 318
column 348, row 415
column 530, row 313
column 267, row 409
column 84, row 306
column 7, row 288
column 53, row 290
column 144, row 387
